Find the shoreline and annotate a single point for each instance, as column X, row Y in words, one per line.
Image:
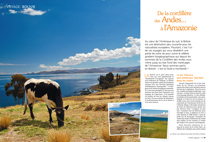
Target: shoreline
column 85, row 91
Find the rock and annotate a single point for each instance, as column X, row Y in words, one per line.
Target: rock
column 94, row 138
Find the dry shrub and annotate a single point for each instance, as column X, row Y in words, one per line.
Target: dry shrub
column 111, row 97
column 85, row 117
column 105, row 135
column 89, row 107
column 58, row 136
column 97, row 107
column 104, row 107
column 5, row 122
column 122, row 95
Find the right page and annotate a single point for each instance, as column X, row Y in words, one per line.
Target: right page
column 175, row 70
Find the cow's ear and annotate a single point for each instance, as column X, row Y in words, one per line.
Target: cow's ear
column 65, row 108
column 53, row 109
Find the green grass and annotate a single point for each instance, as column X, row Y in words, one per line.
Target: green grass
column 157, row 129
column 39, row 108
column 3, row 131
column 31, row 131
column 32, row 128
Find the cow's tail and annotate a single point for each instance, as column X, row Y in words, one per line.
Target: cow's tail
column 25, row 104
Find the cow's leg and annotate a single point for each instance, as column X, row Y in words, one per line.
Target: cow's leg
column 48, row 103
column 31, row 110
column 50, row 114
column 31, row 100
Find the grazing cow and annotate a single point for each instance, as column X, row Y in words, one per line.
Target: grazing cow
column 47, row 91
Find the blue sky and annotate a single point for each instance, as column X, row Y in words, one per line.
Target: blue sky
column 127, row 107
column 154, row 113
column 41, row 35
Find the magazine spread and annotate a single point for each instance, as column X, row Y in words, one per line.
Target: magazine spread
column 105, row 70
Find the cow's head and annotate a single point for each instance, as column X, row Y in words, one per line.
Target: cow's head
column 60, row 114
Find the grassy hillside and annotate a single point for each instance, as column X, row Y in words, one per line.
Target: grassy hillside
column 84, row 126
column 157, row 129
column 115, row 113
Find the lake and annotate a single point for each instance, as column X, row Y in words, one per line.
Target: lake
column 152, row 119
column 69, row 84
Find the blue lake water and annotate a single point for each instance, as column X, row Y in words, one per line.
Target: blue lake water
column 69, row 84
column 152, row 119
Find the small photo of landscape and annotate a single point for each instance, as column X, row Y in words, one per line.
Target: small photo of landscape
column 154, row 123
column 124, row 118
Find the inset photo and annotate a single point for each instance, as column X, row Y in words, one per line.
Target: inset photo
column 154, row 123
column 124, row 118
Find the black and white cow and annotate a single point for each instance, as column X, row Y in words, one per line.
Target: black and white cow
column 47, row 91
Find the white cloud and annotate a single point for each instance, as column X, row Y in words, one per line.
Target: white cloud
column 51, row 68
column 3, row 73
column 115, row 105
column 12, row 11
column 97, row 55
column 135, row 112
column 7, row 64
column 144, row 114
column 163, row 114
column 32, row 12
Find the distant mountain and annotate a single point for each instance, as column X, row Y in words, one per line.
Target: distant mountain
column 91, row 70
column 115, row 113
column 161, row 115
